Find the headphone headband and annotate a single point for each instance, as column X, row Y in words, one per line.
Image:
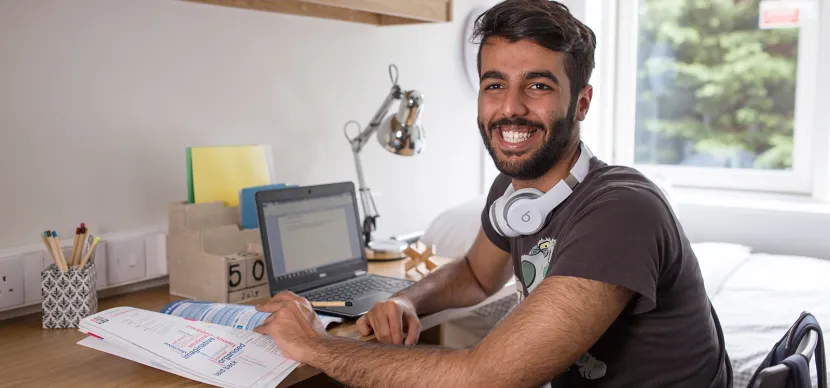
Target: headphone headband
column 523, row 212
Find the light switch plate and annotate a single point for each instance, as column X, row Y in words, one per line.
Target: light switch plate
column 156, row 249
column 126, row 260
column 11, row 282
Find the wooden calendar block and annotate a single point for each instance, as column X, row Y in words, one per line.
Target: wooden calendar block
column 246, row 269
column 237, row 272
column 255, row 264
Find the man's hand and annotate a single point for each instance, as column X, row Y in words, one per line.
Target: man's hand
column 388, row 319
column 293, row 324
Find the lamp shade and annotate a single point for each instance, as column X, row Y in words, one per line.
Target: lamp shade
column 402, row 133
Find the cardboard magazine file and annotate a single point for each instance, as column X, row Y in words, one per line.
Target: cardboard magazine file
column 190, row 217
column 210, row 258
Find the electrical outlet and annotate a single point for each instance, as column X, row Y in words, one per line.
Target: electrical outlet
column 156, row 249
column 32, row 267
column 126, row 259
column 11, row 282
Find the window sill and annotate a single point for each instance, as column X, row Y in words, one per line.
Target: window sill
column 749, row 200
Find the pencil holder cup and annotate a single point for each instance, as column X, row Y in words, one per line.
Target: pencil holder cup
column 68, row 297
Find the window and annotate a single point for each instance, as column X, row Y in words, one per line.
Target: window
column 706, row 98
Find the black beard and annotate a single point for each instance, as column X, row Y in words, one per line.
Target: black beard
column 559, row 136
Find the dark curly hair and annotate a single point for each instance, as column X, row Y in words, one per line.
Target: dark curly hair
column 547, row 23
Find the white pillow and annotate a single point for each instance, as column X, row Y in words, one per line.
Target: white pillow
column 782, row 274
column 718, row 261
column 454, row 230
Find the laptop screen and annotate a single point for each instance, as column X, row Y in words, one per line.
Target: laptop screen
column 307, row 234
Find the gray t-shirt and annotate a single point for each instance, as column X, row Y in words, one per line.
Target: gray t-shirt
column 617, row 227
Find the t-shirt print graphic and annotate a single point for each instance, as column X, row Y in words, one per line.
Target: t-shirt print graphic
column 535, row 263
column 534, row 269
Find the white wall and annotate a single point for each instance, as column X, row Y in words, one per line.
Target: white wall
column 99, row 98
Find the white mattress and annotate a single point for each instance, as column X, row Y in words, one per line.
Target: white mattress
column 757, row 296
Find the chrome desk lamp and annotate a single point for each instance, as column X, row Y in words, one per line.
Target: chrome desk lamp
column 400, row 133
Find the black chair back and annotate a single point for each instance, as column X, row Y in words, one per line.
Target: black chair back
column 788, row 363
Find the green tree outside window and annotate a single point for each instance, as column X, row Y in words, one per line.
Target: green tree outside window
column 713, row 89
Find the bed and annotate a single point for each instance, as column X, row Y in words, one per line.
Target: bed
column 757, row 295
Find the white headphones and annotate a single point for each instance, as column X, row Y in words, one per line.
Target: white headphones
column 523, row 212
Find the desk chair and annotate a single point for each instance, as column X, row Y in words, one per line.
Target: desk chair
column 788, row 364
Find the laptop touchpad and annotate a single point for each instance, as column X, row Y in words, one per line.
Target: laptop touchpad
column 366, row 303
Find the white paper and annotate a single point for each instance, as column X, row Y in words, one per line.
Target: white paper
column 214, row 354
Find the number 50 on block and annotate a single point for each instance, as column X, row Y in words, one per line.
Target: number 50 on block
column 246, row 277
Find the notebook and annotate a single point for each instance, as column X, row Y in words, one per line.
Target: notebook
column 218, row 173
column 247, row 204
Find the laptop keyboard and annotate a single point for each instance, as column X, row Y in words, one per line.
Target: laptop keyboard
column 356, row 288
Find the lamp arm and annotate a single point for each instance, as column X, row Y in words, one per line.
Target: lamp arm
column 359, row 141
column 370, row 213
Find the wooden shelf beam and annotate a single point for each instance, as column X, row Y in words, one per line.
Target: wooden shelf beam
column 375, row 12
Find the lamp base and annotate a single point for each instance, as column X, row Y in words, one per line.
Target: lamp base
column 386, row 250
column 373, row 255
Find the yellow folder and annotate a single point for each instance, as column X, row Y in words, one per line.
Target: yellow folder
column 219, row 172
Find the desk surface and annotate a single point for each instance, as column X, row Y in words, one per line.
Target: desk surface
column 34, row 357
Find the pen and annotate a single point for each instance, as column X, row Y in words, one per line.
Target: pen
column 347, row 303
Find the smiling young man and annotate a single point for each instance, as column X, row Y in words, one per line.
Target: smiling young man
column 611, row 293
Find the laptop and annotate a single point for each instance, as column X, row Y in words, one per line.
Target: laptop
column 313, row 246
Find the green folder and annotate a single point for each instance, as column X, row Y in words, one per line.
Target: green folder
column 191, row 197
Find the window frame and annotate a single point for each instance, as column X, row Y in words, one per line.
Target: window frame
column 799, row 180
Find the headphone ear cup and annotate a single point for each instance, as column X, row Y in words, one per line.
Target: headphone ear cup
column 497, row 219
column 520, row 214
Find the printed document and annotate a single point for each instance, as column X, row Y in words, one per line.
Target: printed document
column 208, row 342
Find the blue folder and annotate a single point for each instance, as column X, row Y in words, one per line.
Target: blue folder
column 247, row 204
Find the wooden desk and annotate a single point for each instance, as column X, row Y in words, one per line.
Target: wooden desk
column 34, row 357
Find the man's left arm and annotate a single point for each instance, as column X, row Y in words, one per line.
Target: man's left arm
column 556, row 324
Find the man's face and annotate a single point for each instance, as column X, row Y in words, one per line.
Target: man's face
column 525, row 113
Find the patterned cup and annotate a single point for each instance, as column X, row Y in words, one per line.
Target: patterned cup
column 68, row 296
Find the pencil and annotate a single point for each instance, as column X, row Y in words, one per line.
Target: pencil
column 89, row 252
column 347, row 303
column 60, row 251
column 55, row 250
column 84, row 234
column 49, row 247
column 74, row 247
